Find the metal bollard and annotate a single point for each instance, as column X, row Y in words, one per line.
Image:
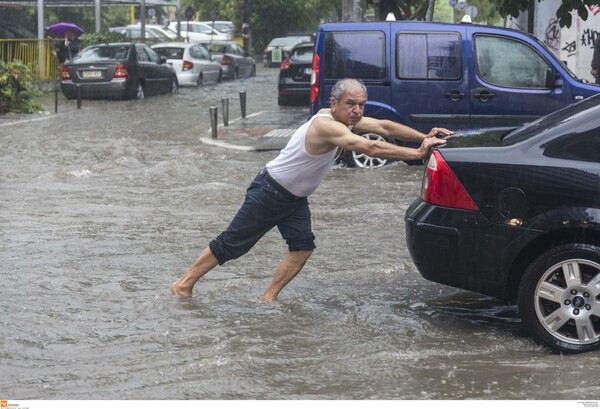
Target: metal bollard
column 225, row 106
column 78, row 96
column 243, row 103
column 55, row 99
column 213, row 121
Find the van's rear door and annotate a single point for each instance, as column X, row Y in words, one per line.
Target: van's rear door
column 356, row 50
column 430, row 83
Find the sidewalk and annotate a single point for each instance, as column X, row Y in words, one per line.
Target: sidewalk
column 260, row 131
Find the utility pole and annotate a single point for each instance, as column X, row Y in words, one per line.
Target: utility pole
column 246, row 27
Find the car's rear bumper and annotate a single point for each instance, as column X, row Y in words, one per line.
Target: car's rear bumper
column 463, row 249
column 187, row 79
column 291, row 88
column 228, row 71
column 117, row 88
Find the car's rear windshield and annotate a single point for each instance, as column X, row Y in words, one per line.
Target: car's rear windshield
column 215, row 47
column 103, row 53
column 170, row 53
column 582, row 111
column 283, row 41
column 303, row 54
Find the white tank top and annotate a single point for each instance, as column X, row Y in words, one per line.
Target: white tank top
column 297, row 170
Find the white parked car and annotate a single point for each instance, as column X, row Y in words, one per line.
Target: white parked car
column 157, row 27
column 198, row 31
column 192, row 62
column 134, row 32
column 222, row 26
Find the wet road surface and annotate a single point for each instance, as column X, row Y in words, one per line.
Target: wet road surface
column 103, row 207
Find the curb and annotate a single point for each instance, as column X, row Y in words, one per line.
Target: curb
column 221, row 144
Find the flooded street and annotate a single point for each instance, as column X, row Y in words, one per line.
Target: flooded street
column 103, row 207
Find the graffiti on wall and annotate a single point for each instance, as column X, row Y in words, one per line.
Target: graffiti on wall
column 552, row 37
column 589, row 36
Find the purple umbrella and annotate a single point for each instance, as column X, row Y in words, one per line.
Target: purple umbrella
column 60, row 29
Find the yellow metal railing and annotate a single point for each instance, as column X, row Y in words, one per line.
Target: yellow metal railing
column 34, row 53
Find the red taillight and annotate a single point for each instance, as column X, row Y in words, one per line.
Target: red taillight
column 314, row 79
column 121, row 72
column 442, row 188
column 285, row 65
column 226, row 60
column 187, row 66
column 65, row 74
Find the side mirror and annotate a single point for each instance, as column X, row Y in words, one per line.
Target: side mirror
column 163, row 60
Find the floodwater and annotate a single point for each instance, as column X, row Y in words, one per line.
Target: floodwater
column 103, row 207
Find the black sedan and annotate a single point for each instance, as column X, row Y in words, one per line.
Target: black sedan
column 294, row 75
column 520, row 222
column 117, row 70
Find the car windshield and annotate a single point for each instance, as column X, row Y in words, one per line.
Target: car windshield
column 156, row 33
column 196, row 28
column 170, row 33
column 170, row 53
column 223, row 27
column 283, row 41
column 303, row 54
column 588, row 108
column 102, row 52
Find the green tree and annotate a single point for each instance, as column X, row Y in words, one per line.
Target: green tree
column 416, row 9
column 514, row 7
column 268, row 18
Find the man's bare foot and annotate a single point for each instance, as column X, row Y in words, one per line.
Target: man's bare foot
column 176, row 289
column 267, row 299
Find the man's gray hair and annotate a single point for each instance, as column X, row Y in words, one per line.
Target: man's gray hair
column 343, row 85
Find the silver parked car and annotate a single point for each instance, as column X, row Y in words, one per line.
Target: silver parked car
column 198, row 31
column 192, row 62
column 233, row 61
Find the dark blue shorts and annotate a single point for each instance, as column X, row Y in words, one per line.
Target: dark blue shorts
column 267, row 205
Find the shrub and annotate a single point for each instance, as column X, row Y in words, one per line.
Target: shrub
column 16, row 89
column 101, row 37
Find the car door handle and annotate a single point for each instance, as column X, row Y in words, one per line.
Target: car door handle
column 484, row 95
column 455, row 95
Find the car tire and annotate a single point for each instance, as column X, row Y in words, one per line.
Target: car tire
column 139, row 92
column 220, row 77
column 558, row 298
column 360, row 160
column 200, row 80
column 174, row 86
column 281, row 100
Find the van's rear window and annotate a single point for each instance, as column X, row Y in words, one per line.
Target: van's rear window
column 355, row 55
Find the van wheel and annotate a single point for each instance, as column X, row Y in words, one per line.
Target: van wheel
column 360, row 160
column 558, row 298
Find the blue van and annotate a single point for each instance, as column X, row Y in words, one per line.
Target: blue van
column 457, row 76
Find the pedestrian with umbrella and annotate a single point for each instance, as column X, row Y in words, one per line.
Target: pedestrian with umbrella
column 70, row 46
